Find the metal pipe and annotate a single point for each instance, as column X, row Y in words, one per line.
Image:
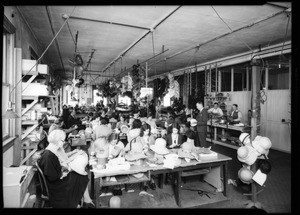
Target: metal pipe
column 108, row 22
column 53, row 32
column 150, row 30
column 223, row 35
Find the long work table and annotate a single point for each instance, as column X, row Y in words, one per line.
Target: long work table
column 216, row 176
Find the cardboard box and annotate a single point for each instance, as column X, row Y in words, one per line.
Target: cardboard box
column 27, row 65
column 14, row 192
column 43, row 69
column 35, row 89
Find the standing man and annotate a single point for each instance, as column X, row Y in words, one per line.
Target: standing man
column 202, row 118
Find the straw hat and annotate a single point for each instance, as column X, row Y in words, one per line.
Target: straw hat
column 245, row 138
column 172, row 159
column 245, row 175
column 193, row 122
column 263, row 145
column 124, row 129
column 247, row 154
column 159, row 146
column 79, row 163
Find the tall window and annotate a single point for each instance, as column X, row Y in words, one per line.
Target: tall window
column 240, row 77
column 7, row 75
column 278, row 72
column 225, row 79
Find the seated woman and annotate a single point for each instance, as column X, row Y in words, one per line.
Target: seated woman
column 151, row 121
column 174, row 139
column 147, row 140
column 66, row 186
column 121, row 122
column 134, row 132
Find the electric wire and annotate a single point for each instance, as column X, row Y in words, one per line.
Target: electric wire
column 286, row 30
column 231, row 29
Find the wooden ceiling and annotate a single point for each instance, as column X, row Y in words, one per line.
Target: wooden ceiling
column 123, row 35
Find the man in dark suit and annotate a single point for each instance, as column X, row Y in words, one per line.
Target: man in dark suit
column 202, row 118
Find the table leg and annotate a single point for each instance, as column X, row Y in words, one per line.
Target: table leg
column 92, row 184
column 225, row 178
column 97, row 191
column 215, row 133
column 177, row 188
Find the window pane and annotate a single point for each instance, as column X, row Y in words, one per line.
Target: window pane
column 278, row 78
column 213, row 80
column 240, row 77
column 5, row 122
column 226, row 79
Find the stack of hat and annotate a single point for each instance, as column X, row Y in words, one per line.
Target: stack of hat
column 101, row 147
column 245, row 138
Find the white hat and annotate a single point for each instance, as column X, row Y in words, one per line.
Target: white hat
column 245, row 138
column 171, row 160
column 160, row 146
column 124, row 129
column 104, row 131
column 245, row 175
column 193, row 122
column 247, row 154
column 263, row 145
column 79, row 164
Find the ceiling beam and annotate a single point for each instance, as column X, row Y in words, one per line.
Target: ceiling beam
column 137, row 41
column 54, row 33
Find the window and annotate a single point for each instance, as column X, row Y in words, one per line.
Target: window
column 213, row 81
column 278, row 73
column 240, row 77
column 225, row 79
column 7, row 78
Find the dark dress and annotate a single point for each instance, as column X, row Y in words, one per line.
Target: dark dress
column 202, row 118
column 66, row 192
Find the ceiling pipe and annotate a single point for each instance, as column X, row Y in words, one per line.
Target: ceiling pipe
column 220, row 36
column 53, row 32
column 107, row 22
column 134, row 43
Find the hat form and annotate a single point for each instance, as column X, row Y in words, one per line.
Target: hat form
column 247, row 154
column 101, row 147
column 171, row 160
column 159, row 146
column 262, row 145
column 79, row 163
column 124, row 129
column 245, row 175
column 245, row 138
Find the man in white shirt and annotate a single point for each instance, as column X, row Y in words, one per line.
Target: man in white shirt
column 216, row 110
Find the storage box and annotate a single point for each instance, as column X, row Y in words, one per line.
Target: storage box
column 27, row 65
column 43, row 69
column 35, row 89
column 14, row 192
column 210, row 156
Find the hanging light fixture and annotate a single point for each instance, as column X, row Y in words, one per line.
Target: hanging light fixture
column 10, row 113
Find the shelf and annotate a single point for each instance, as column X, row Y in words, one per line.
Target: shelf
column 223, row 143
column 29, row 122
column 130, row 180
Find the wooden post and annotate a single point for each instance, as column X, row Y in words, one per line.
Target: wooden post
column 255, row 114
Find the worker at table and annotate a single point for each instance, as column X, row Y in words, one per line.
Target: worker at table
column 235, row 115
column 216, row 110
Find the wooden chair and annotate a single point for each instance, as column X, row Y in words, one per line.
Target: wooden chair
column 44, row 187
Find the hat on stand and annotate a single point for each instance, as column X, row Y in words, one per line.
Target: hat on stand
column 263, row 145
column 160, row 146
column 245, row 175
column 247, row 154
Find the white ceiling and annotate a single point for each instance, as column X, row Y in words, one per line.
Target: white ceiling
column 177, row 28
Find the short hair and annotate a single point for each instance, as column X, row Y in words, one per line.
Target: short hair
column 200, row 102
column 190, row 134
column 56, row 135
column 104, row 121
column 216, row 103
column 176, row 125
column 235, row 105
column 137, row 123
